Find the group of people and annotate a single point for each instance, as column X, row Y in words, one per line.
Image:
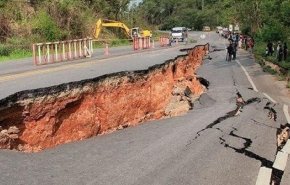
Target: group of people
column 281, row 50
column 236, row 41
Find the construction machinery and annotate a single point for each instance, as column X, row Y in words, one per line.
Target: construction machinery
column 131, row 33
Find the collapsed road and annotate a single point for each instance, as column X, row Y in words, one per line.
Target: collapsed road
column 228, row 134
column 38, row 119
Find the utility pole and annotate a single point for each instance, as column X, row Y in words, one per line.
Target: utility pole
column 202, row 4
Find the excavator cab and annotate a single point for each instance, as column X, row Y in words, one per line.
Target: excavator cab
column 135, row 32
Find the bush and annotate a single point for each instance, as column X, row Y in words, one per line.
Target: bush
column 273, row 32
column 45, row 26
column 5, row 50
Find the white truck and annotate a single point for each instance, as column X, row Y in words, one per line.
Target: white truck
column 179, row 33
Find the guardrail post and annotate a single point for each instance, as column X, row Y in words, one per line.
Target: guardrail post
column 135, row 43
column 84, row 47
column 34, row 54
column 75, row 48
column 47, row 52
column 52, row 52
column 56, row 51
column 149, row 40
column 140, row 43
column 39, row 54
column 63, row 52
column 91, row 46
column 106, row 49
column 80, row 48
column 69, row 49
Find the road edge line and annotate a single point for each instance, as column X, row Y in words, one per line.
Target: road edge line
column 248, row 76
column 286, row 113
column 281, row 161
column 264, row 176
column 270, row 98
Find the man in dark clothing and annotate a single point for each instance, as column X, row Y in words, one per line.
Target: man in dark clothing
column 246, row 42
column 280, row 53
column 230, row 50
column 235, row 47
column 285, row 51
column 270, row 48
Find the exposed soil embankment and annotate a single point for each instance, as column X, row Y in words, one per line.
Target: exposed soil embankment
column 43, row 118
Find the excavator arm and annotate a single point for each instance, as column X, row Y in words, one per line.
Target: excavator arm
column 109, row 23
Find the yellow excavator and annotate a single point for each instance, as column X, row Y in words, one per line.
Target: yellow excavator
column 133, row 32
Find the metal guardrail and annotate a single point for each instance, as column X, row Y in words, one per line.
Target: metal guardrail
column 51, row 52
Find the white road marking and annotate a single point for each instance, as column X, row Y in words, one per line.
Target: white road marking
column 286, row 148
column 285, row 109
column 248, row 76
column 264, row 176
column 280, row 161
column 269, row 97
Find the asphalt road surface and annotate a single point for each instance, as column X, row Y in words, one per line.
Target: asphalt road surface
column 214, row 144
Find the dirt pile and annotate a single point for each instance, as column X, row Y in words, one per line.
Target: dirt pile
column 44, row 118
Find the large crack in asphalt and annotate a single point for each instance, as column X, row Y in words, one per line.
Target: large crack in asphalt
column 240, row 103
column 272, row 114
column 276, row 175
column 247, row 144
column 282, row 133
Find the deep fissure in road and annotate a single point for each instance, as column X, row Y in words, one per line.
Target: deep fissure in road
column 34, row 120
column 282, row 135
column 240, row 104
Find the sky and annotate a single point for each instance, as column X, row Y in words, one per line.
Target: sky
column 135, row 1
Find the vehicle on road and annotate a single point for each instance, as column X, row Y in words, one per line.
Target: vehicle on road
column 219, row 29
column 179, row 33
column 206, row 28
column 133, row 32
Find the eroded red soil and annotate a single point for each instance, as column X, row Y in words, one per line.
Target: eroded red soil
column 35, row 120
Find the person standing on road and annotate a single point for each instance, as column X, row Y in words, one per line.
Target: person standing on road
column 235, row 48
column 230, row 50
column 240, row 43
column 251, row 44
column 285, row 51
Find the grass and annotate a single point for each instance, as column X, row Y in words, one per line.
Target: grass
column 259, row 52
column 16, row 54
column 269, row 70
column 281, row 77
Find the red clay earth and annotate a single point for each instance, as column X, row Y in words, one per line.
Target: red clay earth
column 34, row 120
